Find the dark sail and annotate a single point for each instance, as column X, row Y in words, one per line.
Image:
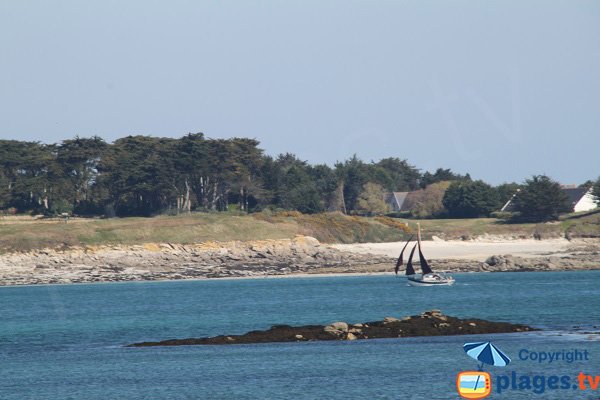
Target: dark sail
column 424, row 265
column 409, row 267
column 400, row 261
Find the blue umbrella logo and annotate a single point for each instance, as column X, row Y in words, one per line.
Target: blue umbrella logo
column 486, row 353
column 468, row 383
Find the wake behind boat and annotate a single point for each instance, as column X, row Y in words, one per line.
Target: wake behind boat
column 428, row 277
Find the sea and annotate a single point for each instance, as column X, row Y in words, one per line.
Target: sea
column 69, row 341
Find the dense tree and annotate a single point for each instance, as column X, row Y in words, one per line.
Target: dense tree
column 10, row 161
column 441, row 175
column 191, row 164
column 395, row 175
column 299, row 192
column 233, row 168
column 353, row 175
column 328, row 187
column 540, row 199
column 506, row 191
column 291, row 184
column 144, row 176
column 244, row 175
column 428, row 202
column 371, row 200
column 78, row 165
column 28, row 174
column 470, row 199
column 138, row 173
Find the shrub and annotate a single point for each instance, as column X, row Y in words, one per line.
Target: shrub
column 60, row 206
column 399, row 214
column 506, row 215
column 393, row 223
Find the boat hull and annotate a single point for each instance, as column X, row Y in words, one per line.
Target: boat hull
column 430, row 280
column 424, row 283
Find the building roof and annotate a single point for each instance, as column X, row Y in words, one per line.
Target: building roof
column 397, row 199
column 400, row 198
column 575, row 194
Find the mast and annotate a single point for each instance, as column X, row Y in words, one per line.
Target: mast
column 400, row 261
column 424, row 264
column 409, row 267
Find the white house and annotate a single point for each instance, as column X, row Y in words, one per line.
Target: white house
column 581, row 199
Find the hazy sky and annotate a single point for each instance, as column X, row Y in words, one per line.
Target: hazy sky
column 500, row 89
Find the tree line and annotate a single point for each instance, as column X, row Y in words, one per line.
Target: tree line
column 144, row 176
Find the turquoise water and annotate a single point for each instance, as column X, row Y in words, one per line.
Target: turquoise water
column 66, row 342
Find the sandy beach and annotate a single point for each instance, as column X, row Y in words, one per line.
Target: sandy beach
column 478, row 250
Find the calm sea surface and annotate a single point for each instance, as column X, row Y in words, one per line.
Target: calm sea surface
column 67, row 342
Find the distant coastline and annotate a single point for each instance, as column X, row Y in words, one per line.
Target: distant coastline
column 301, row 256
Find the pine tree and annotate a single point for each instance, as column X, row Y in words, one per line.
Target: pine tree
column 470, row 199
column 541, row 199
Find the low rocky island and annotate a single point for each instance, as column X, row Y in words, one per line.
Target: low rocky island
column 429, row 323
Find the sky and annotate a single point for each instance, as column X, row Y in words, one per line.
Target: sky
column 502, row 90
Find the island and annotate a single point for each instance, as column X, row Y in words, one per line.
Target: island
column 429, row 323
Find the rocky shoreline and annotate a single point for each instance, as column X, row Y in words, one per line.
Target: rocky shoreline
column 301, row 255
column 429, row 323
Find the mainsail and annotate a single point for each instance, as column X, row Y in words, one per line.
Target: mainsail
column 409, row 267
column 424, row 264
column 400, row 261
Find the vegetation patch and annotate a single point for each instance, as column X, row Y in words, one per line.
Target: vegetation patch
column 26, row 234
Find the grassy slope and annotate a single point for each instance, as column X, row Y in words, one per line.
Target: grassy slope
column 26, row 234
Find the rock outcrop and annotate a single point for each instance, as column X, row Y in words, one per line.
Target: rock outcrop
column 572, row 261
column 429, row 323
column 164, row 261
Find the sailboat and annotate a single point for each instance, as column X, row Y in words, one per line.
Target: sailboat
column 428, row 277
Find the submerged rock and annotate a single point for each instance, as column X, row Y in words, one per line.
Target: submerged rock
column 429, row 323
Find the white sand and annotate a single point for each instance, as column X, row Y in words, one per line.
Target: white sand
column 465, row 250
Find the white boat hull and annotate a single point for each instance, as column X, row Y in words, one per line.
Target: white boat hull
column 430, row 280
column 421, row 283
